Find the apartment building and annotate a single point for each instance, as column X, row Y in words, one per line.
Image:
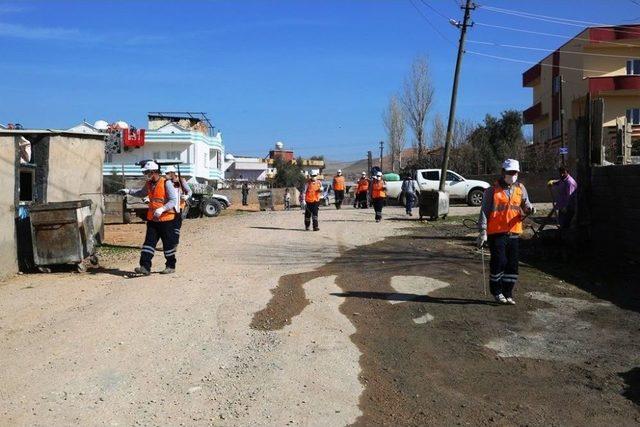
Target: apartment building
column 600, row 62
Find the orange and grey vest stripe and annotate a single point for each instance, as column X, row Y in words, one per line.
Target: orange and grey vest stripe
column 157, row 199
column 313, row 192
column 377, row 189
column 506, row 214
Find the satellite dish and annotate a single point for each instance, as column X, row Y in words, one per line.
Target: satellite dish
column 122, row 125
column 101, row 125
column 279, row 145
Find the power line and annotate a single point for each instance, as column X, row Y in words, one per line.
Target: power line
column 434, row 9
column 541, row 17
column 522, row 61
column 547, row 50
column 562, row 36
column 430, row 23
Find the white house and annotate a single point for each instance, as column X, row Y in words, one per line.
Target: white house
column 240, row 168
column 172, row 137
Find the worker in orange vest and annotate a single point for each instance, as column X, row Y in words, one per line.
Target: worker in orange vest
column 184, row 193
column 163, row 199
column 503, row 207
column 338, row 188
column 312, row 193
column 378, row 194
column 362, row 190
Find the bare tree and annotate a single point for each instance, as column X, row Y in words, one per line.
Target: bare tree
column 393, row 121
column 416, row 99
column 438, row 131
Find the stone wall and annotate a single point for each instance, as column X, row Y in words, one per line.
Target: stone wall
column 615, row 210
column 8, row 171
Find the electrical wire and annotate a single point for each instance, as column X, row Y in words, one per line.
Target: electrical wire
column 424, row 2
column 547, row 50
column 522, row 61
column 562, row 36
column 431, row 23
column 523, row 14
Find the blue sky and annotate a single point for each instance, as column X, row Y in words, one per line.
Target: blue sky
column 314, row 74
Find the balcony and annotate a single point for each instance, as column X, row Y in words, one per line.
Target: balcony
column 533, row 114
column 601, row 35
column 615, row 85
column 531, row 77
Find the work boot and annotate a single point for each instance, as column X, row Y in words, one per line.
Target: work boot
column 168, row 270
column 501, row 299
column 142, row 270
column 316, row 229
column 511, row 301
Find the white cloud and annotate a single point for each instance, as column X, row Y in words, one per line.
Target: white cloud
column 38, row 33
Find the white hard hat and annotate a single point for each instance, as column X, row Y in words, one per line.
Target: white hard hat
column 170, row 169
column 511, row 165
column 314, row 173
column 364, row 173
column 150, row 166
column 339, row 170
column 379, row 173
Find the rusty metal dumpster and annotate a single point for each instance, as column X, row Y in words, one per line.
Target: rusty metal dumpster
column 62, row 233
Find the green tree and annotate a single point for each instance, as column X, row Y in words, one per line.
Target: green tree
column 289, row 174
column 498, row 139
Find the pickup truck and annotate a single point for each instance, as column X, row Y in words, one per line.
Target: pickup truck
column 469, row 190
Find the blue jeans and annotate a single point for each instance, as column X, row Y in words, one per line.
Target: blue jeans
column 410, row 199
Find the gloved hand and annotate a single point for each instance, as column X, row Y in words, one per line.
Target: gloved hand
column 158, row 212
column 482, row 239
column 184, row 197
column 551, row 182
column 124, row 191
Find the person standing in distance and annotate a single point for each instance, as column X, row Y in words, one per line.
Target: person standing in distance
column 312, row 193
column 410, row 191
column 362, row 189
column 378, row 194
column 184, row 193
column 504, row 206
column 338, row 188
column 245, row 193
column 163, row 199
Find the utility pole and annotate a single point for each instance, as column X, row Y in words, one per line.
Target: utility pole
column 469, row 6
column 564, row 156
column 369, row 162
column 381, row 151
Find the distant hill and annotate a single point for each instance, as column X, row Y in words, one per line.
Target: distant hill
column 352, row 170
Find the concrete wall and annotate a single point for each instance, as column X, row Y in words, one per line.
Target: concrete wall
column 278, row 196
column 615, row 210
column 75, row 172
column 8, row 248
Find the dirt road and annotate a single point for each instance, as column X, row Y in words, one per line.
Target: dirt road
column 359, row 323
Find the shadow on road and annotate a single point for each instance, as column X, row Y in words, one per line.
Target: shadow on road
column 111, row 271
column 278, row 228
column 394, row 296
column 632, row 388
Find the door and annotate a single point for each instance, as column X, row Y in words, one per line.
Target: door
column 430, row 180
column 455, row 185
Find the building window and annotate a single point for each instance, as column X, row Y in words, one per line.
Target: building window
column 156, row 155
column 555, row 130
column 556, row 84
column 206, row 160
column 633, row 116
column 109, row 158
column 543, row 135
column 173, row 155
column 633, row 66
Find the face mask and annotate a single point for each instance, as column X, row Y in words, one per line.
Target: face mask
column 510, row 179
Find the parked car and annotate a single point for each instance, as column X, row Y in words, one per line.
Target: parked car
column 459, row 188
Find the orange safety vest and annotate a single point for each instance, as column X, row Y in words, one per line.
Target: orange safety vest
column 506, row 214
column 338, row 183
column 313, row 192
column 363, row 185
column 157, row 199
column 377, row 189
